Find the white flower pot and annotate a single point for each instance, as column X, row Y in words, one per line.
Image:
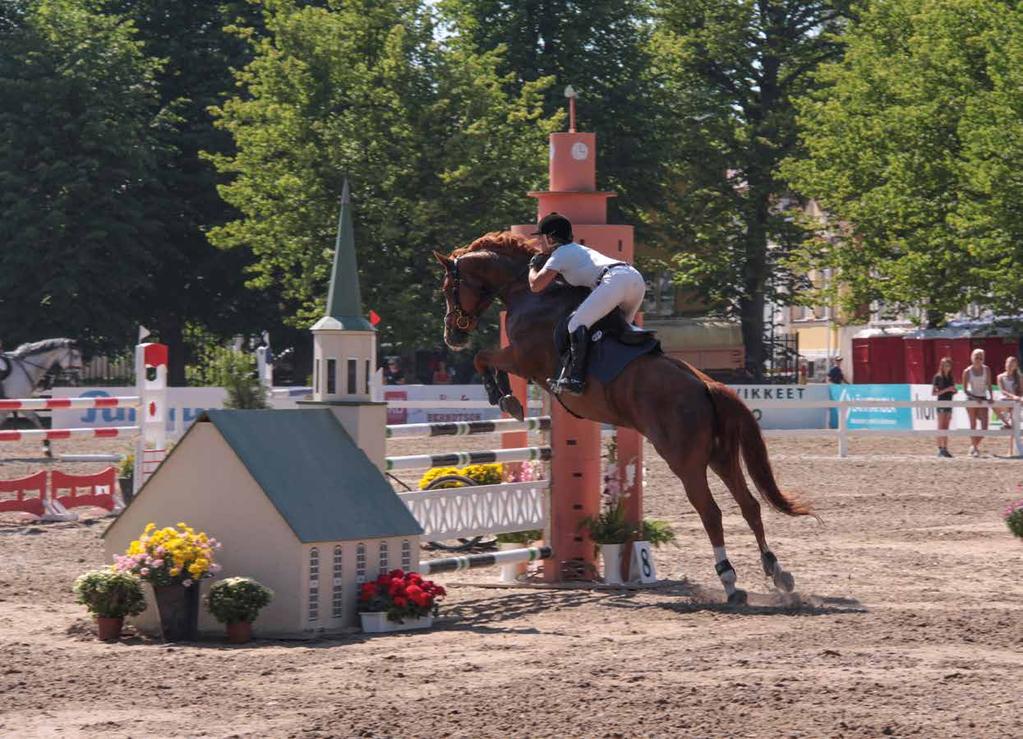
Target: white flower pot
column 513, row 572
column 378, row 623
column 611, row 554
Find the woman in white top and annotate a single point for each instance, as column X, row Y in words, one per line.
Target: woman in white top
column 1011, row 385
column 614, row 284
column 977, row 386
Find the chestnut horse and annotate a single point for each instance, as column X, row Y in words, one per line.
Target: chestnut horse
column 692, row 421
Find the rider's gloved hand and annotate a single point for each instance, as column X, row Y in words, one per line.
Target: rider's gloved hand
column 538, row 261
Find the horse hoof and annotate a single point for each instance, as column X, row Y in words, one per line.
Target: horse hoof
column 784, row 581
column 737, row 598
column 511, row 405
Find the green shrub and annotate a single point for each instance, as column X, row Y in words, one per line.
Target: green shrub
column 110, row 594
column 236, row 373
column 237, row 599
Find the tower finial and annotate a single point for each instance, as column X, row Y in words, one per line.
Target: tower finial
column 571, row 94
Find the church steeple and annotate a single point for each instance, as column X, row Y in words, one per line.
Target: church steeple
column 345, row 349
column 344, row 301
column 344, row 341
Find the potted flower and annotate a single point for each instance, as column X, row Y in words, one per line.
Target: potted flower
column 126, row 477
column 1014, row 518
column 236, row 602
column 398, row 601
column 110, row 596
column 609, row 529
column 173, row 560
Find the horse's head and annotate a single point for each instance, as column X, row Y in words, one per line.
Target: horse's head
column 466, row 296
column 475, row 275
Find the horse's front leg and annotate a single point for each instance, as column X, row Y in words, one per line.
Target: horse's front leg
column 494, row 366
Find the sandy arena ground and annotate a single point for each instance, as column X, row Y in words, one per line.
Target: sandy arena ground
column 909, row 621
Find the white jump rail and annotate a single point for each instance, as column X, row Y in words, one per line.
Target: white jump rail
column 843, row 432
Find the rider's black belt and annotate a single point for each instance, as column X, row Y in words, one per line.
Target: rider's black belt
column 610, row 267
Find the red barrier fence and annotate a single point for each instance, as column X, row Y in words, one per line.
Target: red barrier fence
column 26, row 494
column 53, row 493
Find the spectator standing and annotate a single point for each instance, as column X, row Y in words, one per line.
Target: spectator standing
column 392, row 372
column 1009, row 382
column 440, row 375
column 977, row 386
column 835, row 374
column 944, row 388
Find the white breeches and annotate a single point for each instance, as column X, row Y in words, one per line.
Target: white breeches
column 622, row 287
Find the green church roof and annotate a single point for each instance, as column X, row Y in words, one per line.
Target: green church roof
column 344, row 301
column 320, row 481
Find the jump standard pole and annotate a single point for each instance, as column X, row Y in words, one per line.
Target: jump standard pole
column 575, row 443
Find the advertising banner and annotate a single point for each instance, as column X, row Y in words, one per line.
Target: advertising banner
column 184, row 405
column 873, row 418
column 785, row 418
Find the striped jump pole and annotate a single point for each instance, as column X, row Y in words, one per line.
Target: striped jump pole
column 458, row 459
column 467, row 428
column 100, row 432
column 473, row 561
column 46, row 404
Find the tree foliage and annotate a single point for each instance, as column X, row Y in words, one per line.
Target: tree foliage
column 733, row 70
column 601, row 48
column 915, row 141
column 77, row 138
column 436, row 150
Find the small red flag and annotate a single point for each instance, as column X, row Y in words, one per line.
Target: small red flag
column 373, row 317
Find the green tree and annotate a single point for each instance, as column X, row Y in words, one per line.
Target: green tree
column 77, row 126
column 732, row 70
column 436, row 150
column 601, row 48
column 914, row 143
column 191, row 281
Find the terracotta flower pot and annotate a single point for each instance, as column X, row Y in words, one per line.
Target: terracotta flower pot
column 109, row 628
column 239, row 632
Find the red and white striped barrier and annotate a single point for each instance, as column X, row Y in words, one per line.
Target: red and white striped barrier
column 105, row 432
column 49, row 404
column 150, row 433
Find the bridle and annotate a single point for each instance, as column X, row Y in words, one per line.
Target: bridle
column 462, row 319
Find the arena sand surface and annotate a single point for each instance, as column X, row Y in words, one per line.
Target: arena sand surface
column 909, row 621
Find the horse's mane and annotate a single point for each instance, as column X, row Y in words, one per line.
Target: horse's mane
column 37, row 347
column 500, row 242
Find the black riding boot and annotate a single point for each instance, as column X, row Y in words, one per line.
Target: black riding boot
column 573, row 376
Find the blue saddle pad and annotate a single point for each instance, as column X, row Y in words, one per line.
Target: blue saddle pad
column 607, row 356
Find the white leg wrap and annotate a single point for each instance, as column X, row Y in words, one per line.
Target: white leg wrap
column 724, row 569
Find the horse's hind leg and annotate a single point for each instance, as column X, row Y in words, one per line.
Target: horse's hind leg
column 731, row 474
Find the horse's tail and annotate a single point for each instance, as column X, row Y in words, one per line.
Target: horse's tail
column 738, row 431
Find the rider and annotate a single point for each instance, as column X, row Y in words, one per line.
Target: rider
column 615, row 285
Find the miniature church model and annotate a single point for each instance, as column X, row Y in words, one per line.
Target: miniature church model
column 296, row 497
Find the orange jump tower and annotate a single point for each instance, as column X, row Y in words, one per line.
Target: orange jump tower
column 575, row 443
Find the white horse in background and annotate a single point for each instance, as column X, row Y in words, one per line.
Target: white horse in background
column 29, row 364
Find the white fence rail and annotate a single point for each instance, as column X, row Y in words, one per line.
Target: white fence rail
column 843, row 432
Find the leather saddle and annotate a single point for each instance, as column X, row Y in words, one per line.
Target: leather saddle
column 614, row 324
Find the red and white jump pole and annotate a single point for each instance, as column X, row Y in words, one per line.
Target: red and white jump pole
column 151, row 413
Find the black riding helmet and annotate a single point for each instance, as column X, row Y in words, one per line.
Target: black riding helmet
column 556, row 225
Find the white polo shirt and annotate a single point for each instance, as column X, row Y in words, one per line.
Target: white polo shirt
column 579, row 265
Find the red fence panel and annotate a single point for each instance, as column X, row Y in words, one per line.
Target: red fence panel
column 25, row 494
column 80, row 490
